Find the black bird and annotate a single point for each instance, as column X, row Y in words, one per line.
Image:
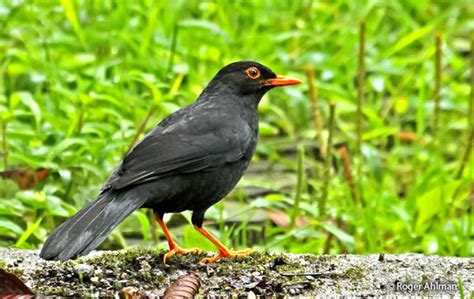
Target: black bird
column 190, row 161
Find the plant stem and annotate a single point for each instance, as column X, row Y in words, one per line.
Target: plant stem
column 299, row 185
column 314, row 97
column 153, row 226
column 360, row 86
column 4, row 144
column 360, row 102
column 470, row 140
column 327, row 170
column 346, row 165
column 437, row 91
column 467, row 153
column 174, row 38
column 471, row 102
column 141, row 128
column 120, row 239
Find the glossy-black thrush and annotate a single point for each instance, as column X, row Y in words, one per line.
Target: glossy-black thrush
column 190, row 161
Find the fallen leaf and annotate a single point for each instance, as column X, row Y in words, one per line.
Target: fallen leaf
column 12, row 287
column 186, row 286
column 26, row 178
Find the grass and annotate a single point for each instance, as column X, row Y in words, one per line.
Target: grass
column 80, row 81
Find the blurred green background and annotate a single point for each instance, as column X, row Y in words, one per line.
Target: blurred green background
column 80, row 81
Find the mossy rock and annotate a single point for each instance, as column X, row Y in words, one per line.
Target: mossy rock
column 106, row 273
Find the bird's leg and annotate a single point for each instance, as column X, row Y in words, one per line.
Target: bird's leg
column 174, row 248
column 223, row 250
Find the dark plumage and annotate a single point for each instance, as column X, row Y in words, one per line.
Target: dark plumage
column 190, row 161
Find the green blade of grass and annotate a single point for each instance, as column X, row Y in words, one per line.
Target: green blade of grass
column 72, row 17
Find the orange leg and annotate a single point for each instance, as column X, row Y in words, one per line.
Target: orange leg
column 174, row 248
column 223, row 250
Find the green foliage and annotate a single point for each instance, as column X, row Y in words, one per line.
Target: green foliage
column 78, row 78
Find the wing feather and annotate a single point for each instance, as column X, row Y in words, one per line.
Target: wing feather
column 167, row 152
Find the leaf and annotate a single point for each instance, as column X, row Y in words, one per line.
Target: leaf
column 72, row 17
column 377, row 133
column 9, row 226
column 33, row 199
column 54, row 206
column 8, row 188
column 186, row 286
column 408, row 39
column 338, row 233
column 30, row 230
column 191, row 238
column 433, row 201
column 168, row 107
column 266, row 129
column 401, row 104
column 144, row 223
column 377, row 83
column 193, row 24
column 9, row 210
column 61, row 147
column 150, row 81
column 13, row 287
column 79, row 60
column 16, row 69
column 27, row 99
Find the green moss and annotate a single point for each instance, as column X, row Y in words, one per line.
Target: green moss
column 354, row 273
column 106, row 273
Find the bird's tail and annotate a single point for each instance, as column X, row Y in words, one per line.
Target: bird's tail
column 86, row 230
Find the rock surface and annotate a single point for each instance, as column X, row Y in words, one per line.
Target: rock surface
column 106, row 273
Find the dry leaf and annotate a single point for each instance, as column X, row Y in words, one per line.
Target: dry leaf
column 186, row 286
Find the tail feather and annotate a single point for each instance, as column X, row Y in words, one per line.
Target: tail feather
column 86, row 230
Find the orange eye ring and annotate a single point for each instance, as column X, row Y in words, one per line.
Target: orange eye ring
column 253, row 72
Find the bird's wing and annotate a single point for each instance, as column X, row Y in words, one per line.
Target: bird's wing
column 166, row 152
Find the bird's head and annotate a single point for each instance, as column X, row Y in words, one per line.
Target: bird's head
column 249, row 78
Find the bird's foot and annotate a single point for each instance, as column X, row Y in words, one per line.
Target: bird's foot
column 179, row 250
column 226, row 253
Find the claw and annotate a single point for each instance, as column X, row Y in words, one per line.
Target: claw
column 226, row 253
column 179, row 250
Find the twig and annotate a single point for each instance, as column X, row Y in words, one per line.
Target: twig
column 141, row 128
column 327, row 170
column 437, row 91
column 314, row 97
column 316, row 274
column 299, row 186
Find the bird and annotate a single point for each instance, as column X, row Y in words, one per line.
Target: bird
column 190, row 161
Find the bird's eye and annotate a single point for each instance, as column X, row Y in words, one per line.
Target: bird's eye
column 253, row 72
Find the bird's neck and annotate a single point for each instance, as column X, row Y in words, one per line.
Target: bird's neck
column 219, row 91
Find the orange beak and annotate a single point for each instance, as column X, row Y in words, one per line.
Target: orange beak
column 281, row 81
